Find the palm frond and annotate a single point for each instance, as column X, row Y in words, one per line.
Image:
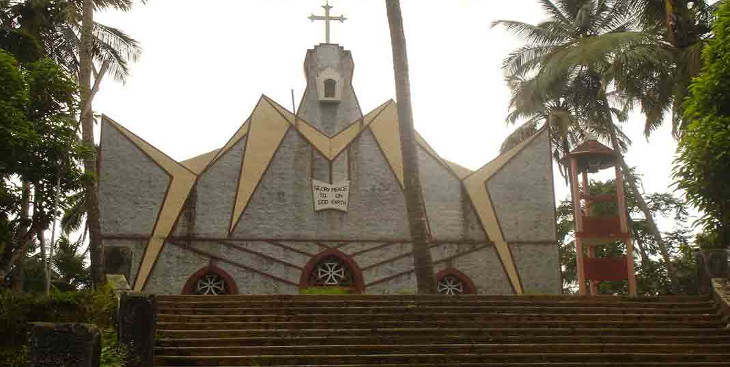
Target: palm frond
column 522, row 133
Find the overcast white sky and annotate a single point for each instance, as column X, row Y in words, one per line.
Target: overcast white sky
column 206, row 63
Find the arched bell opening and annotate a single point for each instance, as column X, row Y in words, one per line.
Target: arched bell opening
column 332, row 269
column 452, row 282
column 330, row 87
column 210, row 281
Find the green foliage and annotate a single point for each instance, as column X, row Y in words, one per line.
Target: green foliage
column 324, row 290
column 15, row 129
column 651, row 274
column 112, row 355
column 17, row 310
column 38, row 104
column 702, row 167
column 68, row 260
column 52, row 27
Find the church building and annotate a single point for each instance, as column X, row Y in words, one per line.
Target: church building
column 314, row 198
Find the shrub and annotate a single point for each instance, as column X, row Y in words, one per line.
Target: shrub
column 325, row 290
column 18, row 310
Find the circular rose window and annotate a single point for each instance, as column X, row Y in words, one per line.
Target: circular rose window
column 450, row 285
column 210, row 281
column 453, row 282
column 331, row 272
column 211, row 284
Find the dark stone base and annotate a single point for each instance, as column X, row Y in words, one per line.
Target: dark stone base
column 137, row 328
column 118, row 260
column 65, row 345
column 710, row 264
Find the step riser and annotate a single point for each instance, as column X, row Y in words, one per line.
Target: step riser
column 465, row 332
column 406, row 324
column 445, row 309
column 438, row 297
column 528, row 364
column 347, row 340
column 473, row 317
column 443, row 349
column 266, row 360
column 355, row 303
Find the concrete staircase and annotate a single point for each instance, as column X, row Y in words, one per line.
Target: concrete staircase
column 439, row 331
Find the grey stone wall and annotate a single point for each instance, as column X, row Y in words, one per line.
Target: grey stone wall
column 451, row 216
column 173, row 268
column 282, row 206
column 522, row 194
column 481, row 266
column 539, row 267
column 131, row 186
column 377, row 262
column 215, row 191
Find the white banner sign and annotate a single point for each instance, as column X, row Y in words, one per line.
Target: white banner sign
column 330, row 196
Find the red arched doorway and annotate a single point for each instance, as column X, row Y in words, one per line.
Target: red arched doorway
column 453, row 282
column 332, row 268
column 210, row 281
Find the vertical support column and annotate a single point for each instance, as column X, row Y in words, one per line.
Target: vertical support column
column 630, row 266
column 591, row 248
column 137, row 328
column 578, row 217
column 621, row 199
column 53, row 345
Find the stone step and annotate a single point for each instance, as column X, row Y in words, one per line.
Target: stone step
column 465, row 332
column 426, row 315
column 437, row 297
column 527, row 364
column 435, row 358
column 438, row 338
column 295, row 310
column 376, row 323
column 225, row 302
column 469, row 348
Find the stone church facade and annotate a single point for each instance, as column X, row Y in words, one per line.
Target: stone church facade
column 315, row 199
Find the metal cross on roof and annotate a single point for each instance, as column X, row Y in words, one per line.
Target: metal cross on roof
column 327, row 17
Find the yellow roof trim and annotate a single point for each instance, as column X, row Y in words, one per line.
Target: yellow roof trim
column 460, row 171
column 266, row 133
column 330, row 148
column 476, row 187
column 199, row 163
column 181, row 182
column 240, row 133
column 386, row 132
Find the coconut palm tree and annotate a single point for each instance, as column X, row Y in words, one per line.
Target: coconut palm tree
column 423, row 263
column 56, row 26
column 682, row 28
column 592, row 52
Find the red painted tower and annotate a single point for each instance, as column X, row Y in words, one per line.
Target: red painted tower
column 593, row 230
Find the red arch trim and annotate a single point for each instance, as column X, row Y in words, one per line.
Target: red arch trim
column 359, row 284
column 190, row 284
column 470, row 288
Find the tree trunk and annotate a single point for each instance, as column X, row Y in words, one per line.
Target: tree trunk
column 87, row 133
column 18, row 277
column 653, row 229
column 44, row 258
column 425, row 276
column 680, row 26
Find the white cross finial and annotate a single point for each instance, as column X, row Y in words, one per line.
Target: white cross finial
column 327, row 18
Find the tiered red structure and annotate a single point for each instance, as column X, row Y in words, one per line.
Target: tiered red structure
column 591, row 230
